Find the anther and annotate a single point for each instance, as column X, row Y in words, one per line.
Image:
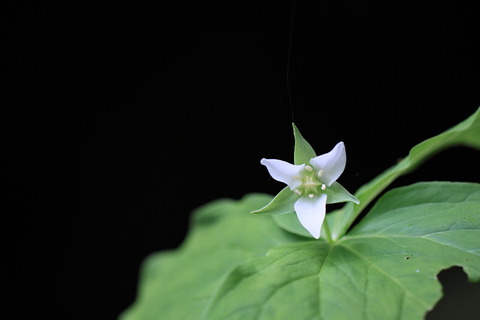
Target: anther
column 310, row 195
column 308, row 168
column 320, row 173
column 297, row 192
column 324, row 186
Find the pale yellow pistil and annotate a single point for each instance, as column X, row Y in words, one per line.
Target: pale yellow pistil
column 310, row 183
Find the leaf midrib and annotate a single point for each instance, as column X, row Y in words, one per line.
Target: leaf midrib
column 259, row 312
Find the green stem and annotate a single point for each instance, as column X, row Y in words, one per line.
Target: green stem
column 328, row 234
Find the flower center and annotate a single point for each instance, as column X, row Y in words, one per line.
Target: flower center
column 311, row 183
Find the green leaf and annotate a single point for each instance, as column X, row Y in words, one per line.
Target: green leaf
column 303, row 151
column 384, row 269
column 179, row 284
column 465, row 133
column 281, row 204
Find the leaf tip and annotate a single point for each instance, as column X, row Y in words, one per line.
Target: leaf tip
column 295, row 129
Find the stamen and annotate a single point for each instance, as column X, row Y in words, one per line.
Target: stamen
column 310, row 195
column 324, row 186
column 297, row 192
column 308, row 168
column 320, row 173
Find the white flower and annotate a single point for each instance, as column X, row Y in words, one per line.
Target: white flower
column 309, row 181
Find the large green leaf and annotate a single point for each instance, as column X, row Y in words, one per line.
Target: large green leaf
column 178, row 284
column 385, row 268
column 466, row 133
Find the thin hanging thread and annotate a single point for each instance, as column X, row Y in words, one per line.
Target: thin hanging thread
column 287, row 78
column 289, row 58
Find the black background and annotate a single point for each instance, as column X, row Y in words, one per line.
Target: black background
column 120, row 118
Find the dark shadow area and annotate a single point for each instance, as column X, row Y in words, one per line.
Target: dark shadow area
column 460, row 297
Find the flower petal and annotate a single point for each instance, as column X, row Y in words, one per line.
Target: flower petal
column 311, row 213
column 284, row 172
column 332, row 163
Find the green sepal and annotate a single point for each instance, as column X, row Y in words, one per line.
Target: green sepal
column 281, row 204
column 303, row 151
column 337, row 193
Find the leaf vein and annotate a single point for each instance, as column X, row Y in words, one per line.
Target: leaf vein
column 387, row 275
column 412, row 218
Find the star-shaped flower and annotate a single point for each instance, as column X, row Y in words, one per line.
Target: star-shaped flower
column 311, row 184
